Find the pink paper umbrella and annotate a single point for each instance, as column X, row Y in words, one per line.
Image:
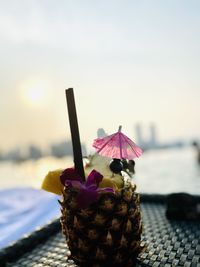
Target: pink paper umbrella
column 117, row 146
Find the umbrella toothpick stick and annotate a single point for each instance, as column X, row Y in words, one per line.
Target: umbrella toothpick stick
column 120, row 141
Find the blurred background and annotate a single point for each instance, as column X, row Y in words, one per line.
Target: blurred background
column 131, row 63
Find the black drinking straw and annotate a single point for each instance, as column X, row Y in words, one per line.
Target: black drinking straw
column 78, row 161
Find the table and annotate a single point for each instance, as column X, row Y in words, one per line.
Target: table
column 169, row 242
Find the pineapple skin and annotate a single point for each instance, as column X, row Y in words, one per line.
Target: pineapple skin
column 108, row 233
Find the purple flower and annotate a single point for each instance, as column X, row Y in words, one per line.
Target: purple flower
column 69, row 174
column 88, row 191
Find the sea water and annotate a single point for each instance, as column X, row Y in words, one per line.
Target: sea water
column 159, row 171
column 23, row 208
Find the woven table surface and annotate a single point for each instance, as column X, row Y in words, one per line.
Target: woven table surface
column 169, row 243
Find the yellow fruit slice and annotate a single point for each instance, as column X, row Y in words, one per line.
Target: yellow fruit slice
column 107, row 182
column 52, row 182
column 118, row 180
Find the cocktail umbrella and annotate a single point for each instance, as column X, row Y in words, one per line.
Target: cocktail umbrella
column 117, row 146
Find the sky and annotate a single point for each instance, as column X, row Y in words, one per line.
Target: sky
column 129, row 62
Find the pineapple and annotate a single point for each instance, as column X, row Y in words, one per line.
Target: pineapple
column 101, row 217
column 108, row 232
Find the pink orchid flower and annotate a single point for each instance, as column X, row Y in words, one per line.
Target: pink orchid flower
column 88, row 191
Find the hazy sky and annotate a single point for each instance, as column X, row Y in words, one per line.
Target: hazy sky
column 128, row 61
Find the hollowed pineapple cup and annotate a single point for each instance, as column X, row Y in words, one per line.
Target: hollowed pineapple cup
column 108, row 232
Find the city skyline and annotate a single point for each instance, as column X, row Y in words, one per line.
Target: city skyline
column 146, row 138
column 129, row 62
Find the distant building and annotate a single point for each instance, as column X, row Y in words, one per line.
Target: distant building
column 13, row 155
column 153, row 137
column 61, row 149
column 139, row 137
column 152, row 142
column 147, row 142
column 34, row 152
column 64, row 149
column 101, row 133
